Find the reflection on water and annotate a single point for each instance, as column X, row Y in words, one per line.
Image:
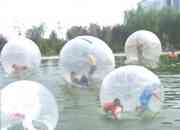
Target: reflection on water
column 79, row 109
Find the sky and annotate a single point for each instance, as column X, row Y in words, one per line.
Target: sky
column 61, row 14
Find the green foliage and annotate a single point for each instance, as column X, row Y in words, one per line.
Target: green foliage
column 36, row 33
column 140, row 19
column 75, row 31
column 165, row 23
column 170, row 65
column 165, row 60
column 50, row 47
column 94, row 30
column 118, row 38
column 3, row 41
column 114, row 36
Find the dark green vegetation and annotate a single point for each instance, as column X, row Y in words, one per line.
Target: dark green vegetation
column 172, row 65
column 165, row 23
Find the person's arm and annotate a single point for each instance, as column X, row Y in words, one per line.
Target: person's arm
column 114, row 116
column 105, row 109
column 75, row 80
column 92, row 60
column 24, row 67
column 156, row 96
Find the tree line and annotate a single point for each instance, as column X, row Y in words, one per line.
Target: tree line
column 165, row 23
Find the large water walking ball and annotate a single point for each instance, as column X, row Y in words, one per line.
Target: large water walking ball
column 28, row 103
column 143, row 48
column 137, row 88
column 20, row 55
column 85, row 60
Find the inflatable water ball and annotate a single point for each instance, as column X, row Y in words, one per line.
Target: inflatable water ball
column 143, row 48
column 8, row 33
column 28, row 103
column 137, row 88
column 85, row 60
column 20, row 55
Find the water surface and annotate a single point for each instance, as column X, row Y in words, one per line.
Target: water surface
column 79, row 109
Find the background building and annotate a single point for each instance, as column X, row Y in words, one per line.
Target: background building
column 159, row 4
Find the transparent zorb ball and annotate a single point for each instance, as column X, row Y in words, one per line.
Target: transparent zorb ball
column 137, row 88
column 87, row 57
column 143, row 48
column 19, row 56
column 25, row 102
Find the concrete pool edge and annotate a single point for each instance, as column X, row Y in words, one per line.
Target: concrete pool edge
column 115, row 54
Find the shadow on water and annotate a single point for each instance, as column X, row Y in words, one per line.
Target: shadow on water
column 79, row 109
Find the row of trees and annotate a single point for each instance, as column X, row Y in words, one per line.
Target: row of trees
column 165, row 23
column 114, row 36
column 48, row 46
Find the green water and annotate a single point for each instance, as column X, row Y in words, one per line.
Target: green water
column 79, row 109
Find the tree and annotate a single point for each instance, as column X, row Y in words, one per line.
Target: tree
column 169, row 27
column 141, row 19
column 106, row 34
column 53, row 36
column 94, row 30
column 165, row 23
column 75, row 31
column 3, row 41
column 119, row 36
column 36, row 33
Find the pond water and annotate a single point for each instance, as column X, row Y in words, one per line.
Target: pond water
column 79, row 109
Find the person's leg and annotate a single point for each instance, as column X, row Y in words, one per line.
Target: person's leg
column 140, row 53
column 28, row 125
column 92, row 70
column 141, row 109
column 84, row 81
column 74, row 78
column 143, row 105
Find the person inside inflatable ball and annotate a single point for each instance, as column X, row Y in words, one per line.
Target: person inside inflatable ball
column 114, row 107
column 84, row 80
column 145, row 98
